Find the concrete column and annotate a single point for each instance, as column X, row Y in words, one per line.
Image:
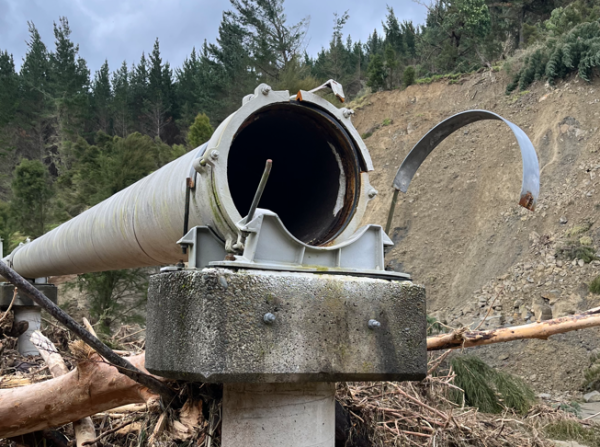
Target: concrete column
column 33, row 315
column 278, row 414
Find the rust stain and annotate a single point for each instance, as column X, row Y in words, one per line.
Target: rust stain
column 527, row 201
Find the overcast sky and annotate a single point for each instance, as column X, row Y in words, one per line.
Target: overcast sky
column 120, row 30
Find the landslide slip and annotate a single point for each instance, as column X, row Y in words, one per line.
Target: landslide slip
column 459, row 229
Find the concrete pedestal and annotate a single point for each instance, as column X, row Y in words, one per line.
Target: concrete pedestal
column 33, row 316
column 26, row 309
column 278, row 414
column 279, row 340
column 209, row 325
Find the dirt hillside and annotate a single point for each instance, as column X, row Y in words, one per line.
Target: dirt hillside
column 459, row 229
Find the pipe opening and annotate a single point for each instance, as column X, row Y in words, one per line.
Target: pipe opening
column 315, row 181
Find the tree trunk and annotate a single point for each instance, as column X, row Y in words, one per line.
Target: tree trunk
column 94, row 386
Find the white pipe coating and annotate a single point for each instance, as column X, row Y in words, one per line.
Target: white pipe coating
column 136, row 227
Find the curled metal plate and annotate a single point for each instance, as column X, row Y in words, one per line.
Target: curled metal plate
column 530, row 188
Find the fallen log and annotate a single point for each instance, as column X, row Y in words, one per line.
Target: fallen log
column 464, row 338
column 94, row 386
column 85, row 431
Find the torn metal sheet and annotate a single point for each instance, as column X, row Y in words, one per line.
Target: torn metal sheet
column 530, row 188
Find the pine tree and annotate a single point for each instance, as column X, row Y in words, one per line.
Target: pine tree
column 273, row 44
column 101, row 98
column 376, row 71
column 9, row 88
column 69, row 78
column 34, row 76
column 121, row 104
column 374, row 44
column 8, row 228
column 32, row 194
column 410, row 36
column 391, row 66
column 138, row 82
column 333, row 63
column 158, row 103
column 393, row 33
column 228, row 62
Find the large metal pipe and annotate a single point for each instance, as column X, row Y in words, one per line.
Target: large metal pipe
column 319, row 187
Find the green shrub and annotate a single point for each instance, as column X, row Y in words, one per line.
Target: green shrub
column 577, row 51
column 408, row 77
column 200, row 131
column 572, row 407
column 386, row 122
column 366, row 135
column 574, row 250
column 592, row 376
column 489, row 389
column 434, row 326
column 450, row 77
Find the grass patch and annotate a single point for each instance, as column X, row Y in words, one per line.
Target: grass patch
column 386, row 122
column 366, row 135
column 435, row 78
column 571, row 430
column 578, row 229
column 514, row 98
column 570, row 407
column 489, row 389
column 595, row 286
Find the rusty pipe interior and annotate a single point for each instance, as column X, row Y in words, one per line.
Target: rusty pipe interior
column 315, row 182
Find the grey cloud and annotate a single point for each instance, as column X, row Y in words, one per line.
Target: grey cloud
column 121, row 30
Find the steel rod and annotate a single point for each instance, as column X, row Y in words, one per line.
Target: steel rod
column 388, row 225
column 260, row 190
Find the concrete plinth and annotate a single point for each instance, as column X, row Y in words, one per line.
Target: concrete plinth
column 26, row 309
column 278, row 414
column 33, row 316
column 209, row 325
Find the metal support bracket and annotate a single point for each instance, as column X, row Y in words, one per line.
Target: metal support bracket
column 204, row 247
column 270, row 246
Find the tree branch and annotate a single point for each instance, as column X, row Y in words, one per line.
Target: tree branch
column 124, row 366
column 464, row 338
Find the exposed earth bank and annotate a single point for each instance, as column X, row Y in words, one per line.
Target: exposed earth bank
column 460, row 231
